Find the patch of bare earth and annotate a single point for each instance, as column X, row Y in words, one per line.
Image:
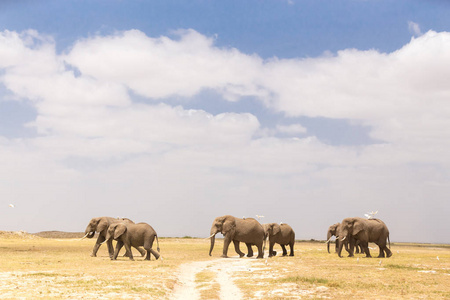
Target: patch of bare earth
column 225, row 270
column 231, row 273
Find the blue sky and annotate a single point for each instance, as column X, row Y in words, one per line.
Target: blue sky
column 306, row 112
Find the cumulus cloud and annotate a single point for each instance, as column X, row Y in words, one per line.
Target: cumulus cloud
column 162, row 67
column 96, row 141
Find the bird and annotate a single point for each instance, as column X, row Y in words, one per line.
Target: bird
column 259, row 217
column 371, row 214
column 379, row 263
column 12, row 205
column 437, row 257
column 357, row 260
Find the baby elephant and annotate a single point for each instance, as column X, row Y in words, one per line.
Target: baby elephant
column 140, row 234
column 282, row 234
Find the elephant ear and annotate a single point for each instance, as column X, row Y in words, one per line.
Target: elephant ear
column 120, row 229
column 266, row 228
column 102, row 225
column 357, row 227
column 228, row 225
column 276, row 229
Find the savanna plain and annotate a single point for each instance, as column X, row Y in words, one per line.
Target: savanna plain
column 52, row 267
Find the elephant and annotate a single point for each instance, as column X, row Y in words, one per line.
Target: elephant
column 101, row 225
column 236, row 230
column 128, row 234
column 282, row 234
column 332, row 231
column 364, row 231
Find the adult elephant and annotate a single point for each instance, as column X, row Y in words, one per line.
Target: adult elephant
column 101, row 225
column 130, row 234
column 332, row 231
column 364, row 231
column 236, row 230
column 282, row 234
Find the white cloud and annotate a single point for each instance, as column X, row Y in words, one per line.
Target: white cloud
column 292, row 129
column 162, row 67
column 414, row 28
column 96, row 142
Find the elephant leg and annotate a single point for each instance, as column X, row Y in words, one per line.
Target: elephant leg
column 155, row 254
column 384, row 249
column 346, row 247
column 271, row 252
column 119, row 246
column 126, row 254
column 142, row 251
column 148, row 246
column 236, row 248
column 388, row 251
column 291, row 245
column 284, row 250
column 110, row 248
column 381, row 254
column 249, row 249
column 97, row 245
column 128, row 249
column 260, row 250
column 352, row 243
column 226, row 244
column 349, row 249
column 366, row 250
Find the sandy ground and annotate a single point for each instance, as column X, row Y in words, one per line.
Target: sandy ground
column 224, row 268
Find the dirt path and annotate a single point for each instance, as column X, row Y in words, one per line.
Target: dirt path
column 224, row 268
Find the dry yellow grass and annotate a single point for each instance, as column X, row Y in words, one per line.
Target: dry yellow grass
column 33, row 267
column 413, row 272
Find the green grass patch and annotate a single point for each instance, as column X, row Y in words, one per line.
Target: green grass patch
column 402, row 267
column 298, row 279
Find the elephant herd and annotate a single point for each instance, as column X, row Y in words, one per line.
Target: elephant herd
column 126, row 233
column 252, row 233
column 350, row 232
column 359, row 232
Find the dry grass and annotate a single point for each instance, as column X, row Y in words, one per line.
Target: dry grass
column 207, row 284
column 33, row 267
column 413, row 272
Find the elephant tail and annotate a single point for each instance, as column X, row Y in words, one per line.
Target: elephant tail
column 157, row 244
column 389, row 240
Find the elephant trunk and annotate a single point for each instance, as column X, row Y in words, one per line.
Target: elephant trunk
column 108, row 237
column 328, row 241
column 341, row 244
column 89, row 233
column 213, row 240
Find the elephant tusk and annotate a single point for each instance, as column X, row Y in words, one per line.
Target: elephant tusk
column 103, row 242
column 84, row 236
column 210, row 236
column 343, row 238
column 328, row 240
